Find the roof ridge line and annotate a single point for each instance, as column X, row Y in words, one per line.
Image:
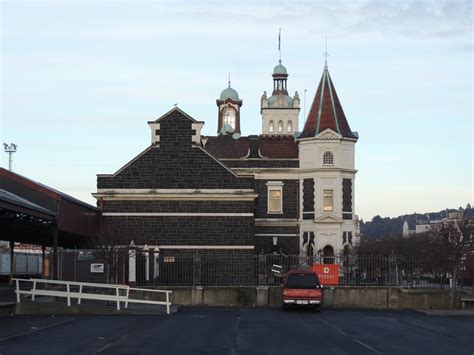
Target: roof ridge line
column 333, row 106
column 321, row 102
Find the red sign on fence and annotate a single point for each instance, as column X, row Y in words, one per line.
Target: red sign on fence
column 328, row 273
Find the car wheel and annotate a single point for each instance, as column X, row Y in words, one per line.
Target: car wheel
column 317, row 308
column 284, row 307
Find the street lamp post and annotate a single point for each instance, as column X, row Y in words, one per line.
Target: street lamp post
column 10, row 149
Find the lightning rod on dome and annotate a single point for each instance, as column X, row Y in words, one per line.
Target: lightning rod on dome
column 279, row 44
column 326, row 54
column 229, row 79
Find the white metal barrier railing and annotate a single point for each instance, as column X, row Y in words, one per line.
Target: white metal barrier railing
column 77, row 290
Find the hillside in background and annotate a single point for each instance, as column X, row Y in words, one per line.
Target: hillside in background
column 386, row 226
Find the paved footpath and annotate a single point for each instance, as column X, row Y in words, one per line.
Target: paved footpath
column 241, row 331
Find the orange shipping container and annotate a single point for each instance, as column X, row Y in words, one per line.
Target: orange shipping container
column 328, row 273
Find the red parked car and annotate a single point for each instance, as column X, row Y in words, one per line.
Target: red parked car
column 302, row 288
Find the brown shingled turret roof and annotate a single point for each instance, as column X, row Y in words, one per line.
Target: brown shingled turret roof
column 326, row 111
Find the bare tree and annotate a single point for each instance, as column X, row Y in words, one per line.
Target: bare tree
column 457, row 237
column 111, row 247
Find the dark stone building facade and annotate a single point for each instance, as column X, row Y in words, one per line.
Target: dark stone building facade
column 281, row 191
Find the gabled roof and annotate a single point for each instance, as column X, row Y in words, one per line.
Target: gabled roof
column 326, row 111
column 173, row 110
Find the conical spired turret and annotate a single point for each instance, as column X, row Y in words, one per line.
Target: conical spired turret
column 326, row 111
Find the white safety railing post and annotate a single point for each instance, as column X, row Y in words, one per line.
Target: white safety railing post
column 17, row 290
column 127, row 296
column 167, row 303
column 33, row 291
column 117, row 290
column 80, row 295
column 68, row 295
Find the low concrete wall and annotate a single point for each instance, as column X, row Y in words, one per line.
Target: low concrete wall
column 360, row 297
column 334, row 297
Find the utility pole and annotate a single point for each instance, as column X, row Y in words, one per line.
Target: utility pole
column 10, row 149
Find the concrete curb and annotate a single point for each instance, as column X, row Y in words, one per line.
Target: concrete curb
column 37, row 308
column 446, row 312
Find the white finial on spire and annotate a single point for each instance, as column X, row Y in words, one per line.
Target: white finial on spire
column 279, row 44
column 326, row 54
column 229, row 79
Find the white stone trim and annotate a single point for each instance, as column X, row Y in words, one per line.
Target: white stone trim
column 174, row 214
column 211, row 247
column 175, row 197
column 175, row 191
column 276, row 235
column 176, row 194
column 262, row 159
column 293, row 220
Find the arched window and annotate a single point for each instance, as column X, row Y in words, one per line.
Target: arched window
column 280, row 126
column 271, row 127
column 289, row 127
column 328, row 158
column 229, row 117
column 328, row 254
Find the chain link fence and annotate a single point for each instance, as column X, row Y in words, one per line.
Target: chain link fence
column 155, row 269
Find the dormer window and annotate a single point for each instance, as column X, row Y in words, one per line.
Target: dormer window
column 280, row 126
column 328, row 158
column 271, row 127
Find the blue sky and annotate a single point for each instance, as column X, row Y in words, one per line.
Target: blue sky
column 80, row 80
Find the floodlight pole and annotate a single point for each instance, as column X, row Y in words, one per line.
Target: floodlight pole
column 10, row 149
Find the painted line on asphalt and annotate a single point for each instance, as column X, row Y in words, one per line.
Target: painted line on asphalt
column 431, row 330
column 106, row 346
column 367, row 346
column 36, row 330
column 236, row 330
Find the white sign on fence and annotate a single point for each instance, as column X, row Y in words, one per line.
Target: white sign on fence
column 276, row 269
column 97, row 268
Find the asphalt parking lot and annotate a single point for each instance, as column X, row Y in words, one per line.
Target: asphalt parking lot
column 241, row 331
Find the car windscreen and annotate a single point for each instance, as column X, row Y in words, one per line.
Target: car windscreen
column 302, row 281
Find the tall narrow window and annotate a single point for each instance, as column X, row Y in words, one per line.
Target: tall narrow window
column 328, row 158
column 289, row 127
column 280, row 126
column 275, row 197
column 328, row 202
column 229, row 117
column 271, row 127
column 274, row 201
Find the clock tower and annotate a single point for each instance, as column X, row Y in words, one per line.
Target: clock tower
column 228, row 105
